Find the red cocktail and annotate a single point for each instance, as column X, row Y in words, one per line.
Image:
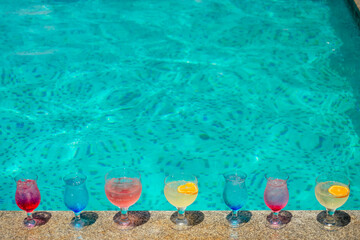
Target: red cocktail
column 27, row 196
column 276, row 196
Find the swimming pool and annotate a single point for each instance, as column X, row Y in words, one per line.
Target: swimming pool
column 200, row 86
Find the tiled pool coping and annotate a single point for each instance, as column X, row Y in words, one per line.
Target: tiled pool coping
column 156, row 225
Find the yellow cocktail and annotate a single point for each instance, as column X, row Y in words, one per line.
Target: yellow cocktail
column 332, row 191
column 332, row 195
column 177, row 197
column 181, row 190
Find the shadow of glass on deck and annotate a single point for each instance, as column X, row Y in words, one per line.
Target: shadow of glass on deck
column 285, row 217
column 193, row 217
column 137, row 217
column 89, row 218
column 245, row 216
column 41, row 218
column 342, row 218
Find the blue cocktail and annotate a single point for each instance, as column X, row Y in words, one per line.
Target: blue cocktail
column 235, row 196
column 76, row 196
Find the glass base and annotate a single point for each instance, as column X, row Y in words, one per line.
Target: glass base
column 123, row 225
column 329, row 222
column 274, row 223
column 29, row 223
column 330, row 227
column 77, row 224
column 234, row 222
column 181, row 226
column 179, row 223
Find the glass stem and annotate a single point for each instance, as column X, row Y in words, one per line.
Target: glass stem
column 181, row 214
column 181, row 219
column 29, row 216
column 77, row 217
column 234, row 214
column 275, row 219
column 124, row 215
column 29, row 220
column 330, row 220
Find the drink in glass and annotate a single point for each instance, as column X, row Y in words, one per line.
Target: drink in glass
column 123, row 189
column 276, row 196
column 76, row 196
column 235, row 196
column 27, row 195
column 332, row 191
column 181, row 190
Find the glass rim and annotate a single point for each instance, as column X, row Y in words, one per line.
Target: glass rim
column 181, row 174
column 340, row 175
column 236, row 172
column 75, row 174
column 277, row 175
column 18, row 177
column 124, row 169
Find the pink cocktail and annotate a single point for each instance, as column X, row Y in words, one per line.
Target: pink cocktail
column 276, row 196
column 123, row 192
column 123, row 189
column 27, row 196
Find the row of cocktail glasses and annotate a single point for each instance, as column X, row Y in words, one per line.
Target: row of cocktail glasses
column 123, row 189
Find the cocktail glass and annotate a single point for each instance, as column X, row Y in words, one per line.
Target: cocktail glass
column 123, row 189
column 276, row 197
column 27, row 195
column 76, row 197
column 332, row 191
column 181, row 190
column 235, row 196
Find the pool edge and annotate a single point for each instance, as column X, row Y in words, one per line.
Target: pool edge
column 355, row 4
column 156, row 225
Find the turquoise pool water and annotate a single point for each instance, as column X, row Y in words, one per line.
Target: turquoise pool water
column 203, row 86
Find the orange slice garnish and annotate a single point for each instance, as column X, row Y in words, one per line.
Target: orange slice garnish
column 188, row 188
column 339, row 191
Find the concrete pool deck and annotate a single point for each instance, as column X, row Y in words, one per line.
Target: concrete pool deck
column 356, row 4
column 157, row 225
